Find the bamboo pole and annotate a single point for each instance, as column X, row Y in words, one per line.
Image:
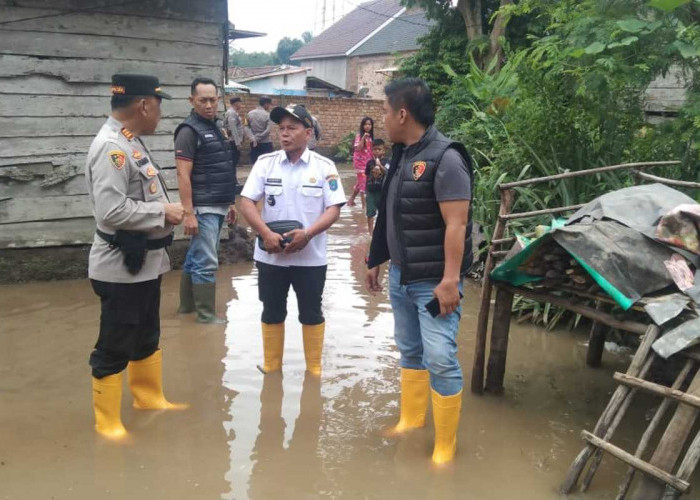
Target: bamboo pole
column 590, row 171
column 611, row 409
column 477, row 383
column 670, row 446
column 596, row 340
column 664, row 180
column 588, row 312
column 651, row 428
column 637, row 463
column 610, row 432
column 546, row 211
column 498, row 353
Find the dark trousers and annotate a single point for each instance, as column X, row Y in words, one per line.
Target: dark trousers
column 235, row 153
column 273, row 288
column 261, row 149
column 129, row 324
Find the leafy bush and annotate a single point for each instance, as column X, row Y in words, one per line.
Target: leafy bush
column 344, row 149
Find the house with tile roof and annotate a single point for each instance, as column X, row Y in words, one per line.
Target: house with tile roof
column 361, row 52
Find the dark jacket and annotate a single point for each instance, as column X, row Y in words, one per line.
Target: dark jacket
column 419, row 222
column 374, row 184
column 213, row 170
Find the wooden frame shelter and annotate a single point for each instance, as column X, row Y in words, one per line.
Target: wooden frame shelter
column 658, row 478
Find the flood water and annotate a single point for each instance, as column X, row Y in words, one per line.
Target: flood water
column 267, row 437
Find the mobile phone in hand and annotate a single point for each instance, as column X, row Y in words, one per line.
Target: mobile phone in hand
column 433, row 307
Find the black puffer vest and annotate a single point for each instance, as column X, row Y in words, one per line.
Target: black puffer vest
column 419, row 222
column 213, row 171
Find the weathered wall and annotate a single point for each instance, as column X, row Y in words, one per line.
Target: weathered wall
column 55, row 75
column 294, row 81
column 667, row 92
column 331, row 69
column 337, row 116
column 362, row 72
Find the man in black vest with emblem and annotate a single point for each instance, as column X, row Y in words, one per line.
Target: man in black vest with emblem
column 206, row 177
column 424, row 229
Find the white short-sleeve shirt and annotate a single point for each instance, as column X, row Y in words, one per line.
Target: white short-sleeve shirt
column 300, row 191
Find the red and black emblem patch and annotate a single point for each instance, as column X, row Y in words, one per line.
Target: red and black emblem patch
column 418, row 169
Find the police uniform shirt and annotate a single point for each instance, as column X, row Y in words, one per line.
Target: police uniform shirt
column 126, row 192
column 299, row 192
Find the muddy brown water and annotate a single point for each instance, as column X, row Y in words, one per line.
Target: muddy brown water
column 292, row 437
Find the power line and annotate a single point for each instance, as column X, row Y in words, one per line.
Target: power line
column 396, row 18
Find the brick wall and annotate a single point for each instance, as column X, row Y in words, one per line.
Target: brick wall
column 337, row 117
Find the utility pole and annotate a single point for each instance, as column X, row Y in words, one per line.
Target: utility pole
column 333, row 12
column 323, row 16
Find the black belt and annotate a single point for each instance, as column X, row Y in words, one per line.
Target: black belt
column 150, row 244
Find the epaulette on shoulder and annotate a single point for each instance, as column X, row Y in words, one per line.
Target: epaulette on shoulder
column 268, row 155
column 323, row 159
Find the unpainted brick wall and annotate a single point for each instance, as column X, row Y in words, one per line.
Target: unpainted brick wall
column 337, row 116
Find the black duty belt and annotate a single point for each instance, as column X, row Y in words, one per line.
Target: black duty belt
column 114, row 240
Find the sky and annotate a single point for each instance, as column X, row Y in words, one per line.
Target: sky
column 280, row 18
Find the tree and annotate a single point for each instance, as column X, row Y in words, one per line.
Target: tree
column 286, row 47
column 306, row 36
column 242, row 59
column 484, row 22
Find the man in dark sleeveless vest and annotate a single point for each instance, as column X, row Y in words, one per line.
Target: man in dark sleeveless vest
column 206, row 176
column 424, row 229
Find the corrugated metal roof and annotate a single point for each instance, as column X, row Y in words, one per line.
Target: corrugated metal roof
column 350, row 30
column 400, row 35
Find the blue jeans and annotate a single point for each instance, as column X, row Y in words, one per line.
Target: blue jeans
column 425, row 342
column 202, row 259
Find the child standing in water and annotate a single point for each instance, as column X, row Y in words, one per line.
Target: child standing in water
column 374, row 173
column 362, row 153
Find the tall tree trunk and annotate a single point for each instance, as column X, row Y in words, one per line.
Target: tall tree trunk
column 499, row 31
column 471, row 13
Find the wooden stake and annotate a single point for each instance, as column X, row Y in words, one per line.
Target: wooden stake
column 507, row 198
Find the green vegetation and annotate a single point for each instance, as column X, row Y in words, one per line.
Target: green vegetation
column 566, row 92
column 285, row 48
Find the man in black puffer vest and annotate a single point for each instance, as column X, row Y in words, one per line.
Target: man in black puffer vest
column 206, row 176
column 424, row 228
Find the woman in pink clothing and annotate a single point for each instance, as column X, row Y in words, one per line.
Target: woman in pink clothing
column 362, row 148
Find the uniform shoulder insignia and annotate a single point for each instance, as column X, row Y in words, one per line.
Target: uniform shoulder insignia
column 117, row 158
column 268, row 155
column 322, row 159
column 127, row 133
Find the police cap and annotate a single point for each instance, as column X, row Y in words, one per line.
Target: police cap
column 137, row 85
column 298, row 112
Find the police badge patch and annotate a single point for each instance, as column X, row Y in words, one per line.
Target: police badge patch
column 418, row 169
column 117, row 158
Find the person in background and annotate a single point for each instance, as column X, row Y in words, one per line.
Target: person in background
column 362, row 153
column 316, row 133
column 259, row 127
column 206, row 176
column 424, row 228
column 375, row 173
column 234, row 128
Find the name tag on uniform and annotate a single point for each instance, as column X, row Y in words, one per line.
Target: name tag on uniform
column 271, row 180
column 142, row 162
column 208, row 136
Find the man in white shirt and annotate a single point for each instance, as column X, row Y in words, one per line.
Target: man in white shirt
column 300, row 185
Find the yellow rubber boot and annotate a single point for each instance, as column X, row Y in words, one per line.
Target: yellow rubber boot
column 146, row 384
column 446, row 411
column 107, row 402
column 415, row 393
column 273, row 347
column 313, row 347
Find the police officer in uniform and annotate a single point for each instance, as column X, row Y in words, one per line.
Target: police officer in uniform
column 299, row 185
column 135, row 221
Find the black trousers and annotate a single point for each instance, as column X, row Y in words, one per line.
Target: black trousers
column 129, row 324
column 261, row 149
column 235, row 153
column 273, row 288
